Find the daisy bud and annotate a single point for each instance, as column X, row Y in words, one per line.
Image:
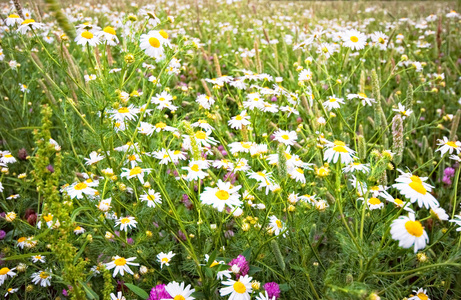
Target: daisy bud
column 422, row 257
column 143, row 270
column 136, row 276
column 11, row 216
column 291, row 208
column 245, row 227
column 212, row 226
column 129, row 58
column 21, row 267
column 29, row 288
column 108, row 235
column 122, row 187
column 89, row 238
column 374, row 296
column 315, row 264
column 256, row 285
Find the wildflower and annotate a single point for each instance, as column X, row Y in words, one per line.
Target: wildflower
column 239, row 266
column 457, row 220
column 356, row 166
column 354, row 39
column 238, row 290
column 121, row 265
column 409, row 232
column 439, row 213
column 415, row 189
column 4, row 273
column 124, row 113
column 363, row 97
column 224, row 194
column 7, row 157
column 108, row 35
column 152, row 198
column 78, row 189
column 159, row 292
column 118, row 297
column 195, row 168
column 333, row 102
column 104, row 205
column 126, row 223
column 305, row 75
column 276, row 226
column 337, row 150
column 448, row 146
column 403, row 111
column 87, row 37
column 42, row 278
column 240, row 120
column 152, row 43
column 29, row 24
column 79, row 230
column 421, row 294
column 38, row 258
column 178, row 291
column 13, row 19
column 264, row 296
column 272, row 289
column 94, row 158
column 135, row 172
column 374, row 203
column 11, row 291
column 205, row 101
column 11, row 216
column 165, row 258
column 285, row 137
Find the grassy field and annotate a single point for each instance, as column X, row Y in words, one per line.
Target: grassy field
column 230, row 150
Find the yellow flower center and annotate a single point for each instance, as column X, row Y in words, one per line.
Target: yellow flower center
column 44, row 275
column 239, row 287
column 414, row 228
column 176, row 152
column 78, row 228
column 451, row 144
column 200, row 135
column 87, row 35
column 279, row 223
column 362, row 95
column 8, row 156
column 109, row 30
column 417, row 185
column 222, row 195
column 398, row 202
column 179, row 297
column 125, row 221
column 165, row 36
column 332, row 100
column 135, row 171
column 151, row 197
column 422, row 296
column 285, row 137
column 165, row 260
column 132, row 157
column 81, row 186
column 13, row 16
column 28, row 21
column 374, row 201
column 160, row 125
column 246, row 145
column 21, row 239
column 48, row 218
column 195, row 168
column 4, row 271
column 381, row 40
column 154, row 42
column 354, row 39
column 239, row 118
column 124, row 110
column 120, row 261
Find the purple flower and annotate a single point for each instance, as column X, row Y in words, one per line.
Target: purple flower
column 450, row 172
column 186, row 201
column 274, row 99
column 446, row 180
column 2, row 234
column 272, row 289
column 239, row 266
column 229, row 176
column 158, row 292
column 22, row 154
column 50, row 168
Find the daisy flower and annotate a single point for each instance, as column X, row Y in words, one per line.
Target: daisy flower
column 104, row 205
column 108, row 35
column 276, row 226
column 354, row 39
column 403, row 111
column 205, row 101
column 254, row 101
column 409, row 232
column 363, row 97
column 373, row 203
column 357, row 167
column 195, row 168
column 457, row 220
column 162, row 100
column 160, row 126
column 379, row 39
column 42, row 278
column 165, row 258
column 333, row 102
column 439, row 213
column 298, row 175
column 94, row 158
column 238, row 290
column 179, row 292
column 7, row 157
column 124, row 113
column 87, row 37
column 448, row 146
column 38, row 258
column 152, row 44
column 337, row 150
column 4, row 273
column 239, row 120
column 135, row 172
column 265, row 296
column 11, row 291
column 29, row 24
column 305, row 75
column 126, row 223
column 118, row 297
column 78, row 189
column 79, row 230
column 415, row 189
column 224, row 194
column 121, row 265
column 204, row 139
column 285, row 137
column 420, row 294
column 152, row 198
column 13, row 19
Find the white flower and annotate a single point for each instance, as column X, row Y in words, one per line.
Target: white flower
column 165, row 258
column 333, row 102
column 224, row 194
column 337, row 150
column 276, row 226
column 4, row 273
column 94, row 158
column 354, row 39
column 195, row 170
column 118, row 297
column 239, row 120
column 78, row 189
column 409, row 232
column 87, row 37
column 153, row 44
column 448, row 146
column 415, row 189
column 178, row 291
column 121, row 265
column 238, row 290
column 421, row 294
column 126, row 223
column 285, row 137
column 152, row 198
column 42, row 278
column 29, row 24
column 108, row 35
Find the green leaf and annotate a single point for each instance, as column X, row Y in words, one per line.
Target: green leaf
column 254, row 269
column 247, row 254
column 89, row 292
column 138, row 291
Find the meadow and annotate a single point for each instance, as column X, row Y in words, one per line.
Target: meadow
column 230, row 149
